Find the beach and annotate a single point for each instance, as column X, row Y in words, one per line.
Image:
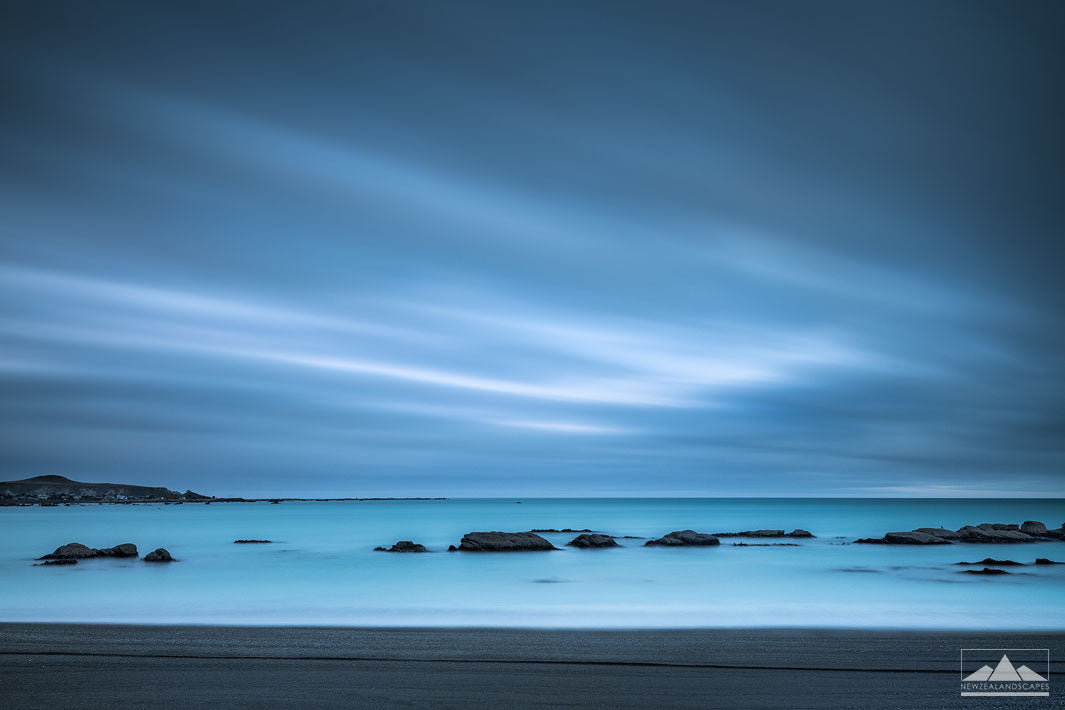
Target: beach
column 97, row 666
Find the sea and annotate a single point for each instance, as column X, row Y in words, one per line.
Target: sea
column 321, row 568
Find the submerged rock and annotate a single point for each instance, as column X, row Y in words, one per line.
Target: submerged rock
column 993, row 562
column 683, row 538
column 593, row 540
column 403, row 546
column 57, row 562
column 985, row 570
column 504, row 542
column 159, row 555
column 252, row 542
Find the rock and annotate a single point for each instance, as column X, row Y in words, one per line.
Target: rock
column 504, row 542
column 993, row 562
column 985, row 570
column 159, row 555
column 403, row 546
column 1059, row 533
column 940, row 532
column 452, row 548
column 72, row 551
column 556, row 530
column 1009, row 527
column 683, row 538
column 252, row 542
column 971, row 533
column 871, row 541
column 126, row 549
column 752, row 533
column 66, row 562
column 592, row 540
column 799, row 532
column 1038, row 561
column 913, row 538
column 1033, row 527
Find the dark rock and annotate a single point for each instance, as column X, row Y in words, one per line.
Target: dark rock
column 1045, row 561
column 1009, row 527
column 799, row 532
column 159, row 555
column 556, row 530
column 983, row 533
column 126, row 549
column 683, row 538
column 57, row 562
column 72, row 551
column 913, row 538
column 871, row 541
column 504, row 542
column 403, row 546
column 452, row 548
column 592, row 540
column 985, row 570
column 252, row 542
column 940, row 532
column 1033, row 527
column 765, row 533
column 994, row 563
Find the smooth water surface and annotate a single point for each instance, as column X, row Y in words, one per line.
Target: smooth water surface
column 322, row 568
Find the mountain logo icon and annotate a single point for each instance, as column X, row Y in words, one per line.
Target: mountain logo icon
column 1004, row 672
column 1005, row 677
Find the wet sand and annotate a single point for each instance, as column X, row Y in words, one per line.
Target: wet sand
column 90, row 666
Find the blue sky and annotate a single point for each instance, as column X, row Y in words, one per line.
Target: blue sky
column 532, row 249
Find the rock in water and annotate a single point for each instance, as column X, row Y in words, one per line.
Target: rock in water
column 160, row 555
column 1033, row 527
column 403, row 546
column 57, row 562
column 993, row 563
column 683, row 538
column 1038, row 561
column 940, row 532
column 986, row 533
column 593, row 540
column 913, row 538
column 71, row 551
column 252, row 542
column 504, row 542
column 799, row 532
column 126, row 549
column 985, row 570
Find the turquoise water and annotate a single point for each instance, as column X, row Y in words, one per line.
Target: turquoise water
column 322, row 569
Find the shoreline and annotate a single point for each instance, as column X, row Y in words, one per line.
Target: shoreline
column 93, row 665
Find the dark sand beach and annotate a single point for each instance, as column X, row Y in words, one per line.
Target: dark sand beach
column 94, row 666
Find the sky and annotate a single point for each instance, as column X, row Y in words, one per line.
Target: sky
column 534, row 248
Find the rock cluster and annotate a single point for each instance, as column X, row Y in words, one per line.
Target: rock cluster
column 252, row 542
column 1028, row 531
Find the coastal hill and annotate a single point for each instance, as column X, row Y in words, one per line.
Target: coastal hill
column 59, row 489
